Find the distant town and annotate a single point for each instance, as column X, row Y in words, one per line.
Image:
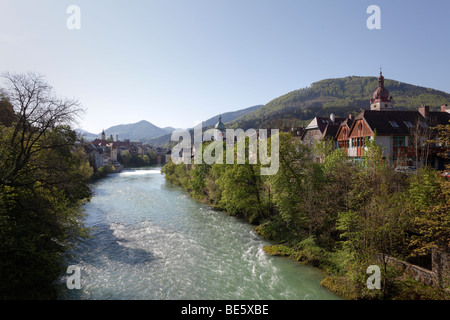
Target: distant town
column 406, row 137
column 116, row 154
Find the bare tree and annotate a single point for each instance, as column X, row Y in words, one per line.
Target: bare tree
column 421, row 135
column 38, row 112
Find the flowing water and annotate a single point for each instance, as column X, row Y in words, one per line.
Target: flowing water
column 151, row 240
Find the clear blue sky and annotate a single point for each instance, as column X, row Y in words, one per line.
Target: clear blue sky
column 173, row 62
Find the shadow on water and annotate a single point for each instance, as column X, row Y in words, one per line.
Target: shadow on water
column 105, row 245
column 103, row 258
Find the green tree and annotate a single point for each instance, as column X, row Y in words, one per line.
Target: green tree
column 444, row 142
column 125, row 158
column 7, row 116
column 198, row 181
column 243, row 191
column 372, row 223
column 427, row 203
column 290, row 184
column 43, row 184
column 152, row 155
column 323, row 148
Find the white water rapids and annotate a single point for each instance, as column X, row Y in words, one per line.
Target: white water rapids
column 152, row 241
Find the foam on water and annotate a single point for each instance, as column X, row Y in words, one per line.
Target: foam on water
column 152, row 241
column 139, row 172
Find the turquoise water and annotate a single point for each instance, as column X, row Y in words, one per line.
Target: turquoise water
column 151, row 240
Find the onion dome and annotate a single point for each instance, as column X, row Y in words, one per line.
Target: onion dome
column 219, row 125
column 381, row 93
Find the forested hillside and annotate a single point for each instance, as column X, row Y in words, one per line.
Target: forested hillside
column 339, row 96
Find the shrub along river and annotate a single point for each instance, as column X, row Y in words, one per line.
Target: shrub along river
column 151, row 240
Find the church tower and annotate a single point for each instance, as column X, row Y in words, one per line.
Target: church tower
column 103, row 135
column 381, row 100
column 219, row 133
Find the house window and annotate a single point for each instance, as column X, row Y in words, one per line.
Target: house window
column 357, row 142
column 408, row 124
column 343, row 144
column 361, row 141
column 360, row 127
column 394, row 124
column 424, row 124
column 399, row 141
column 398, row 144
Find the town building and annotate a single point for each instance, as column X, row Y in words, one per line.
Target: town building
column 296, row 132
column 381, row 100
column 109, row 150
column 342, row 138
column 95, row 155
column 320, row 128
column 406, row 137
column 102, row 151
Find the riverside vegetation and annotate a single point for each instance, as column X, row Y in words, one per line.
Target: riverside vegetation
column 44, row 176
column 335, row 215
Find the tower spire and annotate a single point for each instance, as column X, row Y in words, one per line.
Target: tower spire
column 380, row 98
column 381, row 80
column 219, row 134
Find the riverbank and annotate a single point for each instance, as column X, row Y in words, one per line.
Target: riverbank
column 117, row 167
column 402, row 285
column 336, row 216
column 309, row 256
column 104, row 171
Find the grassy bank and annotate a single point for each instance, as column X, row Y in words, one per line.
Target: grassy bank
column 401, row 285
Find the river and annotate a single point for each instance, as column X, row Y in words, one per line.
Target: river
column 152, row 241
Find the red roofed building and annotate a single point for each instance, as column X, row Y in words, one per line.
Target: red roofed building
column 381, row 100
column 404, row 135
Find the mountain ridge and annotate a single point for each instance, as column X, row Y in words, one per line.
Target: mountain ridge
column 133, row 131
column 340, row 96
column 145, row 131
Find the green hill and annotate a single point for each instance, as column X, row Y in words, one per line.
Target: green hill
column 340, row 96
column 135, row 131
column 229, row 116
column 138, row 131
